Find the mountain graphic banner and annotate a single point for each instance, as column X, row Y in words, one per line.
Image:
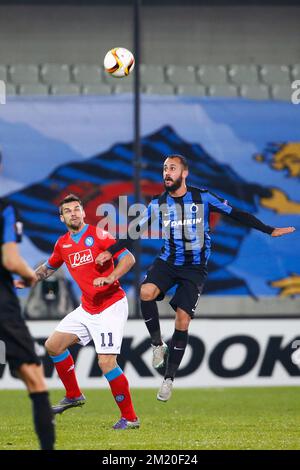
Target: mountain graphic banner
column 247, row 152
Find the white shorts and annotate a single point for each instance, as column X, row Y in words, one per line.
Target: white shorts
column 105, row 329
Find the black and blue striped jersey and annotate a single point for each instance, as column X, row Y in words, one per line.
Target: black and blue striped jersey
column 184, row 224
column 10, row 231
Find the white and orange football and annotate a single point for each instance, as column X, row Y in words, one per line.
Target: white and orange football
column 119, row 62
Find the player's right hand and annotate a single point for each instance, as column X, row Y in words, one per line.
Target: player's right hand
column 103, row 257
column 19, row 284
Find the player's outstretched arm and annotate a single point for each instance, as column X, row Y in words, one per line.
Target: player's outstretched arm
column 250, row 220
column 124, row 265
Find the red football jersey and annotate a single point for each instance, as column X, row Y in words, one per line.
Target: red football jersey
column 79, row 252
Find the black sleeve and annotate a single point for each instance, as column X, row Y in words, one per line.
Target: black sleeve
column 250, row 220
column 120, row 245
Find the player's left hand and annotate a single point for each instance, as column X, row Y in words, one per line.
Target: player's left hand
column 101, row 281
column 278, row 232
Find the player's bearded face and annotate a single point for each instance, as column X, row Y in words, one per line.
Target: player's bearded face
column 172, row 184
column 73, row 216
column 173, row 174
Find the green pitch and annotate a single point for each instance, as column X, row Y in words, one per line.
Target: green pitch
column 235, row 418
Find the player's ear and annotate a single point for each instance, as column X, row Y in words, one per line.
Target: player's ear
column 83, row 213
column 185, row 173
column 61, row 218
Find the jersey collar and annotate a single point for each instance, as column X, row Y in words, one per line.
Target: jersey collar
column 76, row 237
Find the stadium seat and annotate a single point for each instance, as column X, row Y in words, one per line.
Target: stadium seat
column 281, row 92
column 244, row 74
column 257, row 92
column 123, row 88
column 96, row 89
column 223, row 91
column 10, row 89
column 3, row 73
column 24, row 74
column 87, row 74
column 180, row 74
column 275, row 74
column 113, row 81
column 152, row 74
column 295, row 72
column 191, row 90
column 250, row 81
column 31, row 89
column 212, row 75
column 55, row 74
column 159, row 89
column 65, row 89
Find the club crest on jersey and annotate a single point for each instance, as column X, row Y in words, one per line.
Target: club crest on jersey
column 194, row 208
column 89, row 241
column 81, row 257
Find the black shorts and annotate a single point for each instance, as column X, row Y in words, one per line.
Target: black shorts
column 19, row 344
column 190, row 281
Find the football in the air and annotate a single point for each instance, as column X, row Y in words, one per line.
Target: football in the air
column 119, row 62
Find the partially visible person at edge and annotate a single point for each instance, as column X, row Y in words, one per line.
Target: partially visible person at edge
column 20, row 352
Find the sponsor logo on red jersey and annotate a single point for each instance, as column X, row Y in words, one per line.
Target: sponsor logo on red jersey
column 81, row 257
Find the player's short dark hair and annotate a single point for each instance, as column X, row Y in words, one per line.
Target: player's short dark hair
column 67, row 199
column 182, row 159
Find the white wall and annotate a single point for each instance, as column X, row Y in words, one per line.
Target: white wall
column 221, row 353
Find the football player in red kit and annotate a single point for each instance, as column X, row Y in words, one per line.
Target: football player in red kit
column 103, row 312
